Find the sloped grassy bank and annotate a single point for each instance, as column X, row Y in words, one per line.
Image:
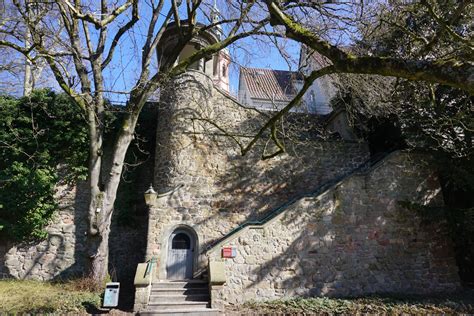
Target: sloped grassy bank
column 43, row 297
column 461, row 303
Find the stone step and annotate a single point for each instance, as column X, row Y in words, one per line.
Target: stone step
column 187, row 297
column 184, row 312
column 193, row 281
column 167, row 305
column 179, row 291
column 179, row 298
column 192, row 284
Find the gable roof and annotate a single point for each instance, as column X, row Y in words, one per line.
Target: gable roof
column 270, row 84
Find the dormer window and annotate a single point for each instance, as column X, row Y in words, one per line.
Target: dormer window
column 216, row 65
column 224, row 71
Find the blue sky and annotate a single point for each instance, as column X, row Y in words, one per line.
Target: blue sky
column 256, row 54
column 122, row 71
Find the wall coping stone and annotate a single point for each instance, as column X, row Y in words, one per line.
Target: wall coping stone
column 141, row 278
column 217, row 272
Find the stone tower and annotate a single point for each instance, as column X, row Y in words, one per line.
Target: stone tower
column 186, row 160
column 216, row 66
column 206, row 187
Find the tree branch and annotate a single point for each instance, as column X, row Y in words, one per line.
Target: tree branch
column 445, row 25
column 120, row 32
column 91, row 19
column 458, row 74
column 308, row 81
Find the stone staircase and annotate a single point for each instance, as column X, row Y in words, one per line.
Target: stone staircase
column 189, row 298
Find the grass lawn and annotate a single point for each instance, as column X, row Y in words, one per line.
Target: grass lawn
column 73, row 297
column 462, row 303
column 44, row 297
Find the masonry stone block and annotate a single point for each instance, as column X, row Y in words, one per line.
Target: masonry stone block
column 376, row 253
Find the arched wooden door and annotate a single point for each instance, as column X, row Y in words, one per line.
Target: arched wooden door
column 180, row 256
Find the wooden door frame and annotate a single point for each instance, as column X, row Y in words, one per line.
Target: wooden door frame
column 188, row 230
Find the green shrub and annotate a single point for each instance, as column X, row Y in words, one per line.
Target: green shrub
column 37, row 134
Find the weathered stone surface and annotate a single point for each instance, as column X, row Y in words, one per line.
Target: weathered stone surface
column 387, row 249
column 56, row 256
column 354, row 239
column 221, row 188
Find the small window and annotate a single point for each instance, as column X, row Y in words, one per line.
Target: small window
column 181, row 241
column 215, row 66
column 224, row 71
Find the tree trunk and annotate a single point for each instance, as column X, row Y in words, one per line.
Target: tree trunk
column 28, row 79
column 101, row 205
column 99, row 262
column 28, row 74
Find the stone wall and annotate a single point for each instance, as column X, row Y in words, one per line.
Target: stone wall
column 63, row 254
column 60, row 255
column 197, row 152
column 355, row 239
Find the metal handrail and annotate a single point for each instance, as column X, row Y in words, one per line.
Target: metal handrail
column 366, row 165
column 149, row 266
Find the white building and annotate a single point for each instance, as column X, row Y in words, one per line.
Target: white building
column 268, row 89
column 323, row 89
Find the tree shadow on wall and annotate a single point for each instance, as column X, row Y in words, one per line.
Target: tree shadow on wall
column 128, row 238
column 347, row 247
column 57, row 256
column 127, row 244
column 128, row 233
column 231, row 188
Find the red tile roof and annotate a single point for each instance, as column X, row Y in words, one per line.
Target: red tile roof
column 277, row 85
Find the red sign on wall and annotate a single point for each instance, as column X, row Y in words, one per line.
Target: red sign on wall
column 229, row 252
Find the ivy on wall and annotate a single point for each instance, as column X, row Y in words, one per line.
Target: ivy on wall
column 37, row 134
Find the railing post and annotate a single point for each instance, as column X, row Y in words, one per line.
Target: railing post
column 217, row 280
column 143, row 283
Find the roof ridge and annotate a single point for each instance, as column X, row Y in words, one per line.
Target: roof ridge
column 268, row 69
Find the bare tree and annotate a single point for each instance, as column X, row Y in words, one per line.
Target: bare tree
column 86, row 52
column 329, row 29
column 457, row 72
column 81, row 40
column 26, row 69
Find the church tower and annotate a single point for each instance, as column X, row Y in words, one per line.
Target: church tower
column 221, row 59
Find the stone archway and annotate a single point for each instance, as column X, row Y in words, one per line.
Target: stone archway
column 182, row 249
